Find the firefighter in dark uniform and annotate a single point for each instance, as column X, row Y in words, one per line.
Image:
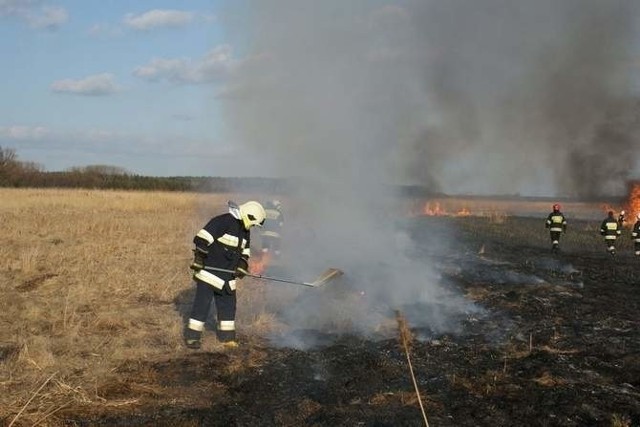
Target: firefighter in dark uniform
column 557, row 224
column 635, row 233
column 223, row 243
column 610, row 229
column 621, row 220
column 270, row 236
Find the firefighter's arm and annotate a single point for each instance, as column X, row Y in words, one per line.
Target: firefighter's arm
column 242, row 268
column 246, row 251
column 198, row 259
column 202, row 240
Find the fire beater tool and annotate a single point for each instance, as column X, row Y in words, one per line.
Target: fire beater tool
column 328, row 275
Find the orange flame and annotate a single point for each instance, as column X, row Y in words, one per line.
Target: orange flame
column 260, row 263
column 633, row 202
column 435, row 209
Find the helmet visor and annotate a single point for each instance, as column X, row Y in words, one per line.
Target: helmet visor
column 254, row 220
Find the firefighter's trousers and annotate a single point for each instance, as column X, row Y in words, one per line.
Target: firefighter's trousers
column 225, row 301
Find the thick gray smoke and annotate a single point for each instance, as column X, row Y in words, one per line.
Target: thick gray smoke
column 530, row 97
column 488, row 96
column 466, row 96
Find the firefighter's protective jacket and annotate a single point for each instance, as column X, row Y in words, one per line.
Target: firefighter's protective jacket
column 226, row 242
column 635, row 232
column 273, row 223
column 610, row 228
column 556, row 222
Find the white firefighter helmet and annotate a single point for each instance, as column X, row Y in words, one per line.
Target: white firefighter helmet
column 252, row 214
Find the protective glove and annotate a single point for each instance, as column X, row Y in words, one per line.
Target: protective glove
column 242, row 269
column 198, row 259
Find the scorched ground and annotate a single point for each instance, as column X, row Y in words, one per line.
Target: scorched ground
column 555, row 342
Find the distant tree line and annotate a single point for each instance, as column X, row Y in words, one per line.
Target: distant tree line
column 16, row 173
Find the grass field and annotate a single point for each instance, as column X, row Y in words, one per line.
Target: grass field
column 90, row 280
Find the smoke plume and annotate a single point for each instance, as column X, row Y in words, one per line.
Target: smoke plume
column 530, row 97
column 483, row 96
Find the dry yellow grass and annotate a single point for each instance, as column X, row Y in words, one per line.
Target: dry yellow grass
column 90, row 279
column 497, row 210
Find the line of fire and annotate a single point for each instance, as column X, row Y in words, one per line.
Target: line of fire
column 488, row 206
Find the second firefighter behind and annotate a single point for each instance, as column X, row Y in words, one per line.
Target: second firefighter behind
column 557, row 224
column 635, row 234
column 221, row 256
column 271, row 231
column 610, row 229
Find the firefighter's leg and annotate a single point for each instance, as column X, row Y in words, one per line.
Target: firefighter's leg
column 637, row 248
column 199, row 313
column 611, row 247
column 555, row 241
column 226, row 315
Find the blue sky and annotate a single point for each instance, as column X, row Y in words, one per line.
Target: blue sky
column 140, row 85
column 129, row 84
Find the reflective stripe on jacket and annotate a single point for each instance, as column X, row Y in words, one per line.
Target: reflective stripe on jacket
column 556, row 222
column 610, row 229
column 225, row 241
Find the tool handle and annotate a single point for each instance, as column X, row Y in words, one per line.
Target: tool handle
column 259, row 276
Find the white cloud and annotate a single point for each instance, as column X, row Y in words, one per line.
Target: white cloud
column 214, row 65
column 162, row 153
column 96, row 85
column 152, row 19
column 36, row 16
column 45, row 134
column 158, row 18
column 14, row 7
column 24, row 133
column 49, row 18
column 103, row 140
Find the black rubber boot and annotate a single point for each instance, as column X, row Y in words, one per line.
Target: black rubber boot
column 192, row 339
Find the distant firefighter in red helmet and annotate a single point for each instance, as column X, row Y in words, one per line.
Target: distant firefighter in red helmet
column 557, row 224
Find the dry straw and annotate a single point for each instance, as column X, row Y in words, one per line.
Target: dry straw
column 405, row 341
column 31, row 398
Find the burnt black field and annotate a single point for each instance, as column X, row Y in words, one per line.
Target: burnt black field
column 556, row 342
